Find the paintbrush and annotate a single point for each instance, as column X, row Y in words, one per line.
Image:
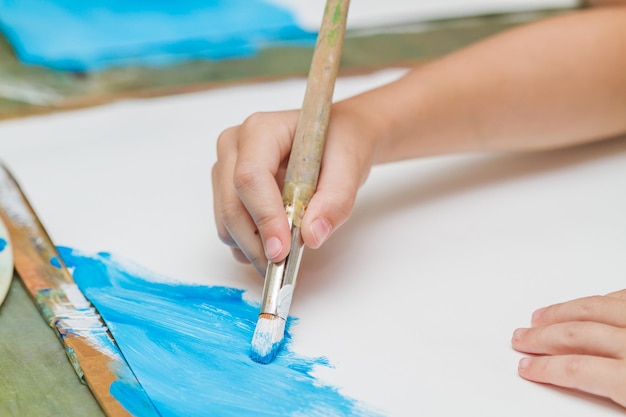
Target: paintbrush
column 301, row 179
column 88, row 343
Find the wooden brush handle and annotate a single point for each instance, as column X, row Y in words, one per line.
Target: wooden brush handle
column 308, row 145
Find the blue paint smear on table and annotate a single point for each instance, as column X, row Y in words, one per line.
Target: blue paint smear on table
column 55, row 262
column 189, row 346
column 79, row 35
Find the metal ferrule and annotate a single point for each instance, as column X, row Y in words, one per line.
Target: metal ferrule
column 280, row 279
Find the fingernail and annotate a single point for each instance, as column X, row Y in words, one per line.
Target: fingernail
column 537, row 314
column 524, row 363
column 321, row 229
column 518, row 333
column 273, row 247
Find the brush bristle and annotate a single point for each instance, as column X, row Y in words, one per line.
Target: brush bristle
column 267, row 339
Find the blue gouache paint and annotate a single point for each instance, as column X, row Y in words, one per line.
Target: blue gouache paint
column 3, row 244
column 55, row 262
column 78, row 35
column 189, row 347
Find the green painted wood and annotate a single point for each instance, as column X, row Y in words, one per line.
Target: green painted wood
column 27, row 90
column 36, row 378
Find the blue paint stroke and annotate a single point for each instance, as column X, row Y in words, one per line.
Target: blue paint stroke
column 3, row 244
column 189, row 347
column 79, row 35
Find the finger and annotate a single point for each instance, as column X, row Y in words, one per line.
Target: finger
column 608, row 310
column 585, row 338
column 599, row 376
column 234, row 224
column 222, row 232
column 263, row 150
column 245, row 236
column 329, row 208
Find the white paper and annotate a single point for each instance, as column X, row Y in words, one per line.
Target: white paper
column 413, row 301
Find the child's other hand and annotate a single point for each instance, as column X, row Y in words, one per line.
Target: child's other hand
column 581, row 344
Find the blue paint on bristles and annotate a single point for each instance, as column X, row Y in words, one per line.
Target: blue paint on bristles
column 266, row 358
column 267, row 339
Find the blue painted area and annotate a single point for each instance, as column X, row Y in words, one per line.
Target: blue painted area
column 3, row 244
column 189, row 347
column 55, row 262
column 131, row 396
column 78, row 35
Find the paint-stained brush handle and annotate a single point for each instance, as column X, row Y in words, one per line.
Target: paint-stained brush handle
column 308, row 146
column 301, row 178
column 88, row 344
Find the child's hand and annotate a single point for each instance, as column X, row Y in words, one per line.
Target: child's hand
column 248, row 177
column 548, row 84
column 581, row 343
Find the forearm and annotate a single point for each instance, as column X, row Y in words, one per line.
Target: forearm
column 551, row 83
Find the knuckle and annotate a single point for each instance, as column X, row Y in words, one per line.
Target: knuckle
column 224, row 140
column 263, row 222
column 342, row 204
column 573, row 367
column 573, row 332
column 590, row 305
column 245, row 176
column 344, row 210
column 254, row 123
column 254, row 118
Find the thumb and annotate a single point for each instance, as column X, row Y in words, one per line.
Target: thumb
column 345, row 166
column 330, row 206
